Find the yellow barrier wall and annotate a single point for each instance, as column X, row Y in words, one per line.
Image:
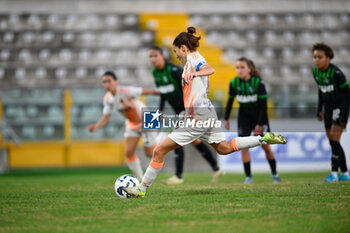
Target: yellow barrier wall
column 37, row 154
column 106, row 153
column 57, row 154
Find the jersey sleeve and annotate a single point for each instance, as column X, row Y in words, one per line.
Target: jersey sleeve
column 262, row 94
column 231, row 97
column 161, row 103
column 231, row 92
column 320, row 102
column 344, row 90
column 176, row 72
column 199, row 61
column 262, row 103
column 107, row 108
column 339, row 79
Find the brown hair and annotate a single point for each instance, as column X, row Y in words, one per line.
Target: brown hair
column 157, row 48
column 325, row 48
column 188, row 39
column 253, row 70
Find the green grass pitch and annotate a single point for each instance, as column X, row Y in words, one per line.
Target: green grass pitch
column 83, row 200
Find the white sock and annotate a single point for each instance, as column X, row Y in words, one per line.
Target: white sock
column 345, row 173
column 247, row 142
column 151, row 174
column 134, row 164
column 335, row 174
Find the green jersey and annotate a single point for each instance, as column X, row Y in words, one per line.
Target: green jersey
column 248, row 93
column 251, row 96
column 168, row 82
column 330, row 82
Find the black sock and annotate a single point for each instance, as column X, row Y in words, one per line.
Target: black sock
column 342, row 161
column 207, row 155
column 336, row 154
column 272, row 163
column 247, row 169
column 179, row 161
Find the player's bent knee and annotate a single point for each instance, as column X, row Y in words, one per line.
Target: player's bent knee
column 158, row 152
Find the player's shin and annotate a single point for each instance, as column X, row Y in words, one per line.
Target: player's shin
column 134, row 165
column 151, row 174
column 240, row 143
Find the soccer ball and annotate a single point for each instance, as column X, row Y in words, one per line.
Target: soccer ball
column 125, row 181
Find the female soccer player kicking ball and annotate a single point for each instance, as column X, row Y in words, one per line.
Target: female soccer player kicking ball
column 199, row 109
column 124, row 99
column 168, row 79
column 334, row 99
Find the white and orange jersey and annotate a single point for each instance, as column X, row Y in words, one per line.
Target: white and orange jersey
column 195, row 94
column 125, row 101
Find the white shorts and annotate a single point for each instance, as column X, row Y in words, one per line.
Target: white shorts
column 184, row 136
column 149, row 138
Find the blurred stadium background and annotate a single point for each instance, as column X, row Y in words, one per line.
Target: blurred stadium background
column 53, row 53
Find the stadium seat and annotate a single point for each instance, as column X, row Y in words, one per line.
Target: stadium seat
column 290, row 19
column 44, row 54
column 48, row 130
column 28, row 132
column 41, row 72
column 288, row 54
column 269, row 53
column 48, row 37
column 81, row 72
column 32, row 111
column 24, row 55
column 215, row 20
column 252, row 36
column 34, row 22
column 4, row 54
column 305, row 71
column 231, row 55
column 344, row 18
column 289, row 36
column 20, row 73
column 271, row 19
column 100, row 71
column 52, row 20
column 253, row 19
column 270, row 37
column 130, row 20
column 14, row 21
column 10, row 112
column 61, row 73
column 84, row 54
column 65, row 55
column 8, row 37
column 111, row 21
column 68, row 37
column 235, row 19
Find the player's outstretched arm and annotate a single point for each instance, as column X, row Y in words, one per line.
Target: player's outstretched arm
column 146, row 91
column 101, row 123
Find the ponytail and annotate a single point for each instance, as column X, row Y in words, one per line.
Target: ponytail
column 188, row 39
